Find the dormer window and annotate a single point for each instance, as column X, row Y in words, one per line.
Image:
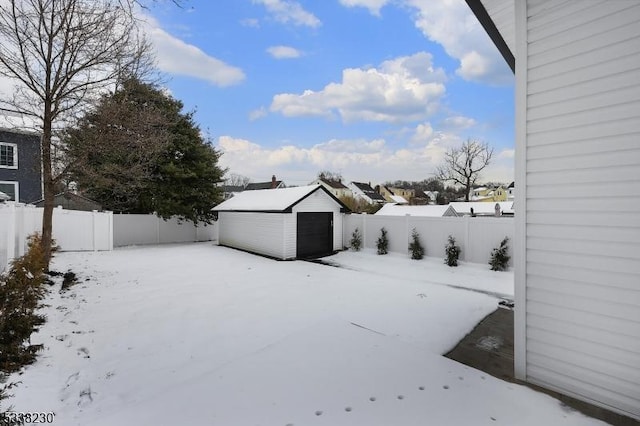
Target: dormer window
column 8, row 155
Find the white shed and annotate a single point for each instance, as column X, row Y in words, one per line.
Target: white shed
column 286, row 223
column 577, row 260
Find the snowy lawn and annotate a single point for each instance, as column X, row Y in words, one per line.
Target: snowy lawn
column 199, row 334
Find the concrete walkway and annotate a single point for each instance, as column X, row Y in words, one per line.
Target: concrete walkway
column 489, row 348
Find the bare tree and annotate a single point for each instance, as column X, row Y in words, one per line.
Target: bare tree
column 62, row 54
column 463, row 165
column 331, row 176
column 236, row 179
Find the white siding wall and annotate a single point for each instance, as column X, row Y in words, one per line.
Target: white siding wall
column 579, row 76
column 261, row 233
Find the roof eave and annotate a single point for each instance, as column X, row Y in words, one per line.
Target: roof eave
column 489, row 26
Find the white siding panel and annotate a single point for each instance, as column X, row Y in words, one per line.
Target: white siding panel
column 583, row 200
column 502, row 14
column 260, row 233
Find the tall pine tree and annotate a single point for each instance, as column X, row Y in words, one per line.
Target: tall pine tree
column 137, row 152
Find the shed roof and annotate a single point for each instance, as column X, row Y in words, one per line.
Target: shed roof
column 279, row 200
column 425, row 211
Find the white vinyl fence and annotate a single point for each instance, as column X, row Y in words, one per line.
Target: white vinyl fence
column 140, row 229
column 75, row 230
column 476, row 236
column 72, row 230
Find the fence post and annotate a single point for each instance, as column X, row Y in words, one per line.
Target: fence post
column 364, row 230
column 407, row 216
column 157, row 228
column 11, row 234
column 110, row 217
column 94, row 238
column 466, row 253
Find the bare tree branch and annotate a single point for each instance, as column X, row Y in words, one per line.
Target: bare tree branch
column 463, row 165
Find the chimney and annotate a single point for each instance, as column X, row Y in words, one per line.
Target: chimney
column 273, row 181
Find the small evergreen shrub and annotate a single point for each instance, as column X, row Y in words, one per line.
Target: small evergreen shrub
column 69, row 278
column 383, row 242
column 21, row 290
column 452, row 252
column 356, row 240
column 499, row 256
column 415, row 248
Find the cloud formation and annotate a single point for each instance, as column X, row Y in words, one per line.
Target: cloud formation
column 453, row 25
column 284, row 52
column 177, row 57
column 288, row 11
column 374, row 6
column 404, row 89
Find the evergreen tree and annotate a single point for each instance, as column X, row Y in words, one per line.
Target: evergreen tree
column 452, row 252
column 499, row 256
column 415, row 247
column 383, row 242
column 356, row 240
column 137, row 152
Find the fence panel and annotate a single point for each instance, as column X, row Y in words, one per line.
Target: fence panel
column 142, row 229
column 477, row 236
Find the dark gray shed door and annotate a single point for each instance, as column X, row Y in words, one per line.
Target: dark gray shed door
column 314, row 234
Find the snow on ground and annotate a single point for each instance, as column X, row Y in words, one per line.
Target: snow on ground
column 201, row 334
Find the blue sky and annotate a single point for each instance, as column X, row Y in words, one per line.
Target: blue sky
column 374, row 89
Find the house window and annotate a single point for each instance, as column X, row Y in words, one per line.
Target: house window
column 8, row 155
column 11, row 189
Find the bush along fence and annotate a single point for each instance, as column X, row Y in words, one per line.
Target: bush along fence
column 476, row 237
column 76, row 230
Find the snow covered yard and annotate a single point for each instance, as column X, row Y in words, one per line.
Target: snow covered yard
column 200, row 334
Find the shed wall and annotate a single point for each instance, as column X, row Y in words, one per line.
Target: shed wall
column 260, row 233
column 581, row 277
column 319, row 201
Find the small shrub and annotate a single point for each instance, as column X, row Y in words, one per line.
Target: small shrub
column 499, row 256
column 356, row 240
column 415, row 248
column 452, row 252
column 21, row 290
column 383, row 242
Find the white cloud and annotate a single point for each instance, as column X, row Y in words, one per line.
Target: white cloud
column 374, row 6
column 176, row 57
column 407, row 88
column 284, row 52
column 506, row 154
column 452, row 24
column 256, row 114
column 459, row 122
column 288, row 11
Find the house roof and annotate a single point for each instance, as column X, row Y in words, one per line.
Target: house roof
column 232, row 188
column 368, row 191
column 511, row 185
column 262, row 185
column 336, row 184
column 398, row 199
column 482, row 207
column 425, row 211
column 68, row 195
column 280, row 200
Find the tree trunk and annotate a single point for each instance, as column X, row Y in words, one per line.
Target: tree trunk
column 47, row 178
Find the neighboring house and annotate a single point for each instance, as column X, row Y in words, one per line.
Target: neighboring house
column 386, row 193
column 70, row 201
column 273, row 184
column 405, row 193
column 511, row 191
column 577, row 121
column 285, row 223
column 490, row 194
column 424, row 197
column 423, row 211
column 481, row 208
column 4, row 197
column 20, row 165
column 365, row 192
column 336, row 187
